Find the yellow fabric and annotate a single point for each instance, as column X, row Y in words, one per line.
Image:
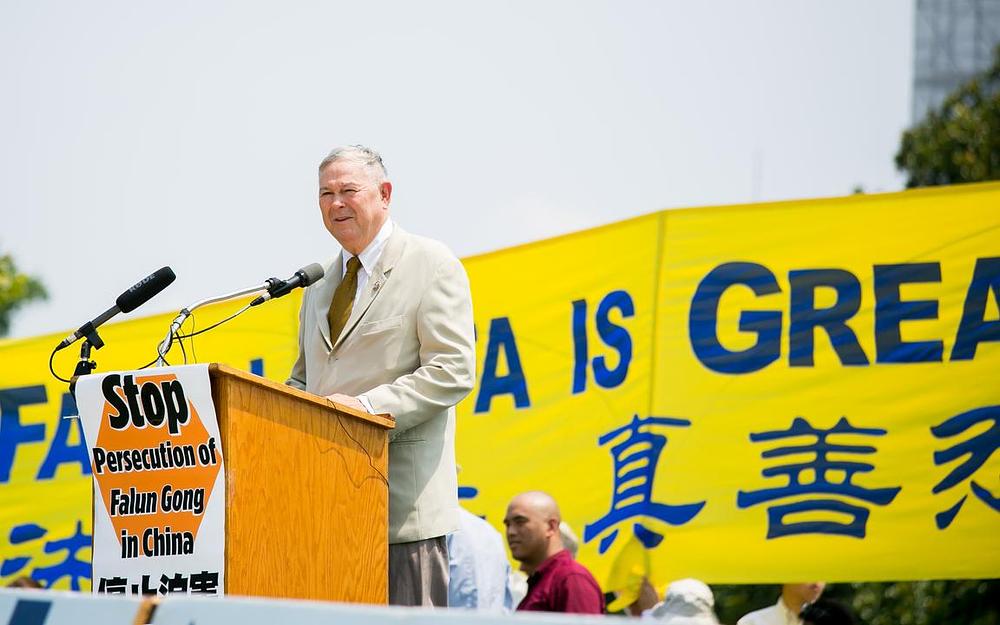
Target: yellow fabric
column 582, row 350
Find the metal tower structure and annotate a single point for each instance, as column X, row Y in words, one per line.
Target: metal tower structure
column 953, row 40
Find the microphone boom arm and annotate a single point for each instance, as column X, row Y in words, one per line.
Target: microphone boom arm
column 182, row 316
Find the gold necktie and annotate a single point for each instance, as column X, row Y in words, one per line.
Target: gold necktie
column 343, row 299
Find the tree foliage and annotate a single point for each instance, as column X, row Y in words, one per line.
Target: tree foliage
column 959, row 141
column 16, row 290
column 969, row 602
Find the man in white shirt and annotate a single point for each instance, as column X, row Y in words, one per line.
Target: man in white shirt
column 479, row 570
column 786, row 611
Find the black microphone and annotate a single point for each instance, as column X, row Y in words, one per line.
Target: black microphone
column 303, row 277
column 136, row 295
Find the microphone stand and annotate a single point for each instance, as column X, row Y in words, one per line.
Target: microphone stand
column 85, row 366
column 182, row 316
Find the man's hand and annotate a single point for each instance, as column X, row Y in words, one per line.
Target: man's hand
column 347, row 400
column 646, row 600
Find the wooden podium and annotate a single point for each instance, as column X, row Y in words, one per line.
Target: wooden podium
column 306, row 492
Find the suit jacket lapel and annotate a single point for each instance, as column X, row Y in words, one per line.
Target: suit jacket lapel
column 376, row 282
column 324, row 295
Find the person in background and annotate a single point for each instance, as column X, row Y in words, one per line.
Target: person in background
column 24, row 582
column 647, row 599
column 569, row 539
column 479, row 573
column 556, row 582
column 686, row 602
column 786, row 610
column 826, row 612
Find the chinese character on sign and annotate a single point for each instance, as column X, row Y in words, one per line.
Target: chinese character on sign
column 112, row 585
column 821, row 468
column 204, row 583
column 71, row 566
column 177, row 583
column 145, row 589
column 978, row 449
column 635, row 456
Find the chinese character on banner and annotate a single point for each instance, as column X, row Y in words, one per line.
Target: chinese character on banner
column 978, row 449
column 71, row 566
column 635, row 457
column 19, row 535
column 820, row 465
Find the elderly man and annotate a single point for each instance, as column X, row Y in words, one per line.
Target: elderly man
column 389, row 330
column 556, row 582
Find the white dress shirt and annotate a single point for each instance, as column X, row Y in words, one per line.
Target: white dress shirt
column 479, row 571
column 777, row 614
column 368, row 257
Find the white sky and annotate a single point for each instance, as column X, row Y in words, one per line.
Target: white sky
column 140, row 134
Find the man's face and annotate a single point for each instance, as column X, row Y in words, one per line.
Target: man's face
column 528, row 532
column 353, row 204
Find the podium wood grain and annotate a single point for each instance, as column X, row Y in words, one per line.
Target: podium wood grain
column 306, row 492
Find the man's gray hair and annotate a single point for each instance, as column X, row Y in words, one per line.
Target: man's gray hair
column 361, row 154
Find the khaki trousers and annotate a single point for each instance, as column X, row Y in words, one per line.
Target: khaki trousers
column 418, row 573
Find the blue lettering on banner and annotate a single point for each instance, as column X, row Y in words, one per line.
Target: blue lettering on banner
column 501, row 337
column 976, row 451
column 20, row 534
column 12, row 431
column 613, row 335
column 890, row 311
column 60, row 451
column 580, row 356
column 71, row 566
column 635, row 459
column 257, row 366
column 805, row 317
column 974, row 329
column 820, row 466
column 766, row 324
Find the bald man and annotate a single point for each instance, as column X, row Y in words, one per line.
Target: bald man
column 556, row 582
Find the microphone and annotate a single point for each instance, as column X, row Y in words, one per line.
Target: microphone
column 136, row 295
column 303, row 277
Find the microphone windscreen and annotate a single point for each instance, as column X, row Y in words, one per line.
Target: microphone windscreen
column 311, row 273
column 143, row 290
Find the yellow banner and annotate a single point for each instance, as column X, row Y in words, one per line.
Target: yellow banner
column 763, row 393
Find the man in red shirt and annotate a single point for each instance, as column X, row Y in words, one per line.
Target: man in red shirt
column 556, row 582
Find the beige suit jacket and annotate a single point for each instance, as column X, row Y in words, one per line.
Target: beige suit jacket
column 409, row 347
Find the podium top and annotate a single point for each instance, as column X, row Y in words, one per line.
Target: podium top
column 217, row 370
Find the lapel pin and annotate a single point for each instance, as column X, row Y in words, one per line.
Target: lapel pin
column 376, row 286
